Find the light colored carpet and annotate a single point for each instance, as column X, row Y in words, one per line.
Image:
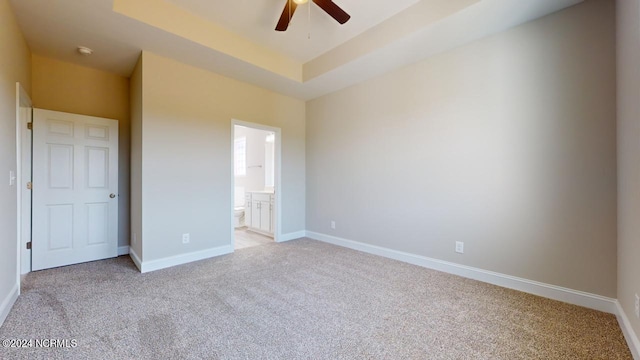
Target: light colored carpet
column 297, row 300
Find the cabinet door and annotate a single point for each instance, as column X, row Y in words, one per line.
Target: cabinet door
column 265, row 216
column 255, row 214
column 247, row 212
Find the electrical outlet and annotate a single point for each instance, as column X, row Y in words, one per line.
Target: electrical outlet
column 637, row 306
column 459, row 247
column 185, row 238
column 333, row 224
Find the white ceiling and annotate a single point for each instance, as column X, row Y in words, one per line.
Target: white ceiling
column 304, row 40
column 336, row 56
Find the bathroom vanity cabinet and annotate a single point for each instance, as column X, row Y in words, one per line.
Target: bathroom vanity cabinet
column 258, row 212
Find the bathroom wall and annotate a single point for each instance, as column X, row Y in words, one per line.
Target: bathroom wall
column 254, row 180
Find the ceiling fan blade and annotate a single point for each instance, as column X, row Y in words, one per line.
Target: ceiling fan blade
column 333, row 10
column 287, row 13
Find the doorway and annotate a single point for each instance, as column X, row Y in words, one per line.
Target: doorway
column 255, row 185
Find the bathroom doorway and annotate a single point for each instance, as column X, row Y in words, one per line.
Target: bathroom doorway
column 256, row 188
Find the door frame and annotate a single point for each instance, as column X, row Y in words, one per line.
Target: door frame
column 277, row 176
column 23, row 157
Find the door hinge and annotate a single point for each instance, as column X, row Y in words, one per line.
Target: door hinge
column 30, row 126
column 29, row 185
column 29, row 245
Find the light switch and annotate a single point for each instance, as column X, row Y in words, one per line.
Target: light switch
column 12, row 177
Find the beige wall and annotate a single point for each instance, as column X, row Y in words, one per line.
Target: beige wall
column 507, row 144
column 135, row 91
column 75, row 89
column 629, row 157
column 15, row 65
column 187, row 157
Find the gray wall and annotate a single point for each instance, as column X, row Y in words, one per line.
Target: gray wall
column 629, row 156
column 135, row 93
column 187, row 154
column 507, row 144
column 15, row 65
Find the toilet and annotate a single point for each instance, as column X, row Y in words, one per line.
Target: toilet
column 238, row 207
column 238, row 216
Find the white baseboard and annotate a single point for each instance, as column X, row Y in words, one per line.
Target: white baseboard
column 627, row 330
column 588, row 300
column 7, row 303
column 123, row 250
column 292, row 236
column 147, row 266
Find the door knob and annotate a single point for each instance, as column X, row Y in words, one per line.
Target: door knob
column 112, row 196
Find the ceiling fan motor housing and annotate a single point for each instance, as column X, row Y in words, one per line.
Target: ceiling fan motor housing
column 327, row 5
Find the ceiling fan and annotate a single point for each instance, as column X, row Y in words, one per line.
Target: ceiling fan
column 327, row 5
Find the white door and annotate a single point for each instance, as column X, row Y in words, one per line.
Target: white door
column 75, row 187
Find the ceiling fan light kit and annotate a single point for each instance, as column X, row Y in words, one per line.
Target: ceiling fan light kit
column 327, row 5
